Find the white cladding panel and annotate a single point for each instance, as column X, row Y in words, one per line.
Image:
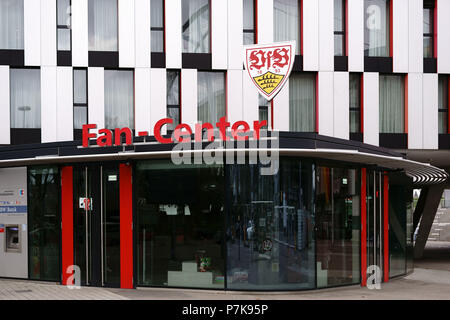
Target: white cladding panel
column 341, row 105
column 234, row 95
column 142, row 33
column 400, row 35
column 415, row 28
column 219, row 34
column 310, row 35
column 142, row 100
column 371, row 109
column 48, row 30
column 235, row 34
column 158, row 96
column 325, row 103
column 32, row 32
column 64, row 107
column 96, row 96
column 48, row 104
column 443, row 38
column 250, row 101
column 5, row 124
column 80, row 32
column 356, row 35
column 265, row 21
column 415, row 111
column 173, row 33
column 430, row 111
column 281, row 110
column 126, row 34
column 326, row 35
column 189, row 108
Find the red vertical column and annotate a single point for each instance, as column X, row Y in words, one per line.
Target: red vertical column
column 386, row 227
column 126, row 227
column 67, row 221
column 363, row 228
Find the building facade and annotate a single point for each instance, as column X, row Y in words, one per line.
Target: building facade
column 367, row 98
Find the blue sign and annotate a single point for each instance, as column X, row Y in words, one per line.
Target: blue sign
column 13, row 209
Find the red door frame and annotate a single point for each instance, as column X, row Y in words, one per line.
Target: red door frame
column 67, row 221
column 363, row 227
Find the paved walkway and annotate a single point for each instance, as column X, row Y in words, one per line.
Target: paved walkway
column 430, row 280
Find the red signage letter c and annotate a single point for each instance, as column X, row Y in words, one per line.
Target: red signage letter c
column 157, row 130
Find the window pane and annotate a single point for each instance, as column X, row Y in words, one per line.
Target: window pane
column 103, row 25
column 339, row 20
column 80, row 117
column 195, row 26
column 79, row 86
column 179, row 225
column 157, row 39
column 211, row 96
column 249, row 38
column 302, row 103
column 392, row 104
column 44, row 223
column 173, row 113
column 427, row 47
column 156, row 9
column 338, row 45
column 11, row 24
column 443, row 104
column 25, row 98
column 376, row 28
column 443, row 121
column 64, row 39
column 287, row 21
column 355, row 103
column 119, row 99
column 173, row 87
column 428, row 20
column 264, row 115
column 63, row 12
column 249, row 22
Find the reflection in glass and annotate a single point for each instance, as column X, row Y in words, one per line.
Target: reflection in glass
column 428, row 29
column 270, row 239
column 443, row 96
column 355, row 102
column 103, row 26
column 249, row 22
column 195, row 26
column 44, row 234
column 180, row 225
column 80, row 117
column 339, row 27
column 157, row 25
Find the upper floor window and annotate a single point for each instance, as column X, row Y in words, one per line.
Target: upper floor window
column 339, row 27
column 103, row 26
column 286, row 21
column 119, row 99
column 211, row 96
column 173, row 98
column 157, row 25
column 392, row 104
column 25, row 98
column 64, row 22
column 195, row 26
column 428, row 29
column 377, row 28
column 302, row 102
column 265, row 111
column 249, row 22
column 443, row 103
column 11, row 25
column 80, row 98
column 355, row 102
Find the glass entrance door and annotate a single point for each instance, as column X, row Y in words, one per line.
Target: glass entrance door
column 97, row 224
column 375, row 220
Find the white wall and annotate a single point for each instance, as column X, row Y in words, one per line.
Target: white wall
column 32, row 32
column 265, row 21
column 326, row 35
column 415, row 27
column 430, row 111
column 126, row 39
column 158, row 96
column 64, row 107
column 443, row 38
column 326, row 103
column 48, row 28
column 310, row 35
column 235, row 34
column 415, row 111
column 341, row 105
column 234, row 94
column 5, row 124
column 142, row 100
column 142, row 33
column 371, row 109
column 219, row 34
column 173, row 34
column 400, row 35
column 189, row 110
column 48, row 104
column 96, row 96
column 80, row 40
column 356, row 35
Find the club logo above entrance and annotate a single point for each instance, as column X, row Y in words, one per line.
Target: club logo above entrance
column 269, row 66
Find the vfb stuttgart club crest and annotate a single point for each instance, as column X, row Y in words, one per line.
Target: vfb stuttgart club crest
column 269, row 66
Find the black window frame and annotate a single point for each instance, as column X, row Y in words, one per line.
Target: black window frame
column 174, row 106
column 342, row 33
column 160, row 29
column 446, row 109
column 360, row 108
column 63, row 27
column 429, row 5
column 252, row 31
column 80, row 105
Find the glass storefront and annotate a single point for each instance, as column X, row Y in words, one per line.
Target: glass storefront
column 44, row 223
